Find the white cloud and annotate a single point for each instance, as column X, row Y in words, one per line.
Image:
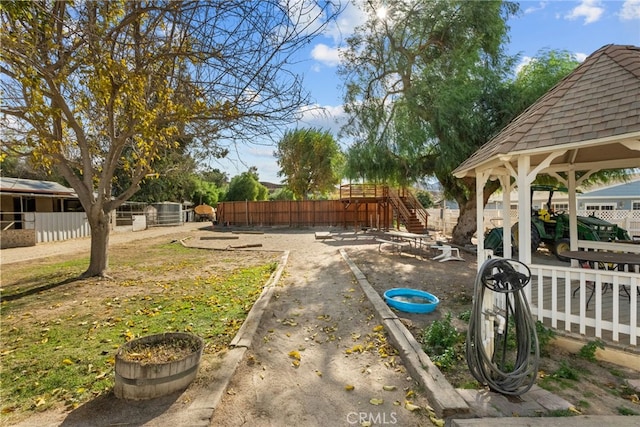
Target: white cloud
column 580, row 57
column 532, row 9
column 526, row 60
column 630, row 10
column 590, row 10
column 325, row 54
column 326, row 117
column 343, row 27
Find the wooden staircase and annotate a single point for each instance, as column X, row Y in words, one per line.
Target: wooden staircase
column 409, row 211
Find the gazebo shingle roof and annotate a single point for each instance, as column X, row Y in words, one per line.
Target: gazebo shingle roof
column 599, row 99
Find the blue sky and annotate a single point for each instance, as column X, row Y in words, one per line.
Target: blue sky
column 580, row 27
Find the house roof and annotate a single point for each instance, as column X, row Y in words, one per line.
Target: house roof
column 30, row 186
column 618, row 191
column 592, row 109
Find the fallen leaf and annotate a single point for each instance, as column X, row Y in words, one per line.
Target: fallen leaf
column 67, row 362
column 389, row 387
column 349, row 387
column 295, row 354
column 376, row 401
column 574, row 410
column 358, row 348
column 378, row 328
column 410, row 406
column 437, row 421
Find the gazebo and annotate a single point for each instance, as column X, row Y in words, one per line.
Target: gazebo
column 589, row 121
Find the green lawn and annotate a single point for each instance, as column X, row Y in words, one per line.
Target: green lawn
column 58, row 344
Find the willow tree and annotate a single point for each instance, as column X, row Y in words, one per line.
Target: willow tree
column 310, row 161
column 407, row 69
column 97, row 89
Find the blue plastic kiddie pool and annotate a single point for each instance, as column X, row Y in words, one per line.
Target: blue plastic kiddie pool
column 411, row 300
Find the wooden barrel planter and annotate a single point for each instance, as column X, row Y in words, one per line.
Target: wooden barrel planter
column 156, row 365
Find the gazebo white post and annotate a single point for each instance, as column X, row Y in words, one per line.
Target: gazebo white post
column 481, row 179
column 573, row 213
column 505, row 183
column 524, row 209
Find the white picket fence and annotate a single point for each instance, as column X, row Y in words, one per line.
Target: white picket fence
column 444, row 220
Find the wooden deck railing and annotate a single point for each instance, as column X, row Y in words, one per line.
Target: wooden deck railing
column 363, row 191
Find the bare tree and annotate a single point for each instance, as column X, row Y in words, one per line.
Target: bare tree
column 97, row 89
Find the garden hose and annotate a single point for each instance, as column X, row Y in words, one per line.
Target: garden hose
column 496, row 367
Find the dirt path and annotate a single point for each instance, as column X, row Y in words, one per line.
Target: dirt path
column 320, row 315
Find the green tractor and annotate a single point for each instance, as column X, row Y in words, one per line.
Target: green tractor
column 552, row 229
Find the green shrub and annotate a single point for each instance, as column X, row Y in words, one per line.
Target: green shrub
column 545, row 336
column 465, row 316
column 439, row 336
column 588, row 351
column 567, row 372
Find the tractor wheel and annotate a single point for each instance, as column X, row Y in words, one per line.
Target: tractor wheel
column 535, row 237
column 560, row 246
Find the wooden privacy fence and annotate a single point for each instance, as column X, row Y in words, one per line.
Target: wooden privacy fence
column 305, row 213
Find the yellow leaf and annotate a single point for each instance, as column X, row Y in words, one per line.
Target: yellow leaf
column 389, row 387
column 410, row 406
column 574, row 410
column 349, row 387
column 358, row 348
column 40, row 401
column 295, row 355
column 378, row 328
column 437, row 421
column 67, row 362
column 376, row 401
column 295, row 363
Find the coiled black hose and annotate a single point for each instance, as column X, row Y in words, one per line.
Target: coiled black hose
column 495, row 370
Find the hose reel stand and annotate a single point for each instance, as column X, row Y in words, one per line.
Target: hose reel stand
column 502, row 344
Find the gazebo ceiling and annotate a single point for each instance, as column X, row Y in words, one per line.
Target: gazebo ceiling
column 589, row 120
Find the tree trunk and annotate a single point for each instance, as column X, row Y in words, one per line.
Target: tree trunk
column 466, row 226
column 99, row 261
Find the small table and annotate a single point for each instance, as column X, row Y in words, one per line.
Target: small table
column 417, row 239
column 617, row 261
